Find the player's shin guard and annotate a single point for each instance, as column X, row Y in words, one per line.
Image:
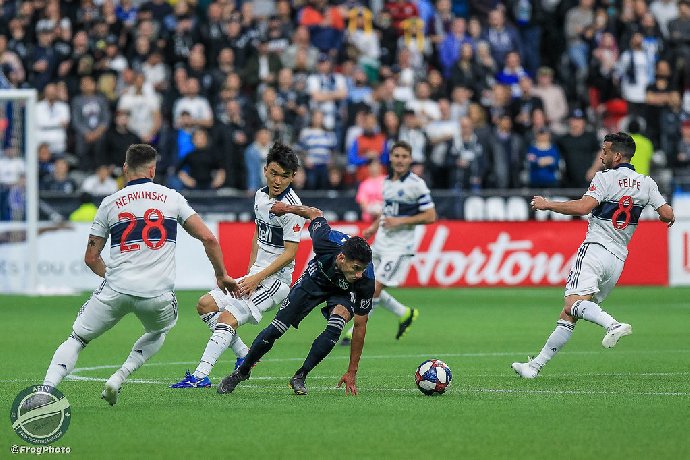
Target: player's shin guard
column 323, row 344
column 262, row 344
column 558, row 338
column 593, row 313
column 64, row 359
column 221, row 339
column 143, row 349
column 390, row 303
column 210, row 319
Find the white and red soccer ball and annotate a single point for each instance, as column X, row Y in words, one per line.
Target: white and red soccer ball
column 433, row 377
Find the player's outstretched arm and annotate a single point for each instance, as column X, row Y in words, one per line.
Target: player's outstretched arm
column 580, row 207
column 279, row 208
column 198, row 229
column 428, row 216
column 92, row 256
column 356, row 347
column 666, row 214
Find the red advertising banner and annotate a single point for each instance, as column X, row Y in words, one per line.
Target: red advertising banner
column 454, row 253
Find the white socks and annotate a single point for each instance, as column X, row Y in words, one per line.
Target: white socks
column 558, row 338
column 389, row 302
column 64, row 359
column 220, row 340
column 593, row 313
column 239, row 347
column 147, row 346
column 210, row 319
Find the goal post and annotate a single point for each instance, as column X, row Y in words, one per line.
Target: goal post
column 22, row 117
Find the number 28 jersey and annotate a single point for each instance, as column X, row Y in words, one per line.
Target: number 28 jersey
column 622, row 194
column 141, row 220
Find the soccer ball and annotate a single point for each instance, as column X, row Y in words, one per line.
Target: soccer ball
column 433, row 377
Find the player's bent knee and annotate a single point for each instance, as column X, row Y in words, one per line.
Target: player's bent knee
column 341, row 311
column 228, row 318
column 206, row 304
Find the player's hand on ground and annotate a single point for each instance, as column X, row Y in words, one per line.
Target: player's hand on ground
column 279, row 208
column 248, row 284
column 350, row 381
column 228, row 284
column 539, row 203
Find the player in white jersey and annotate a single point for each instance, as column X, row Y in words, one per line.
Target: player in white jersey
column 141, row 221
column 407, row 203
column 615, row 198
column 271, row 264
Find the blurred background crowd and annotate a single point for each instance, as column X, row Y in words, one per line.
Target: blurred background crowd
column 490, row 94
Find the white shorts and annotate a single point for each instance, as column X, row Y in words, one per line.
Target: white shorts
column 106, row 307
column 269, row 293
column 391, row 269
column 595, row 271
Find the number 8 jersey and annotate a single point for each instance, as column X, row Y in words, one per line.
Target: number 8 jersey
column 622, row 194
column 141, row 220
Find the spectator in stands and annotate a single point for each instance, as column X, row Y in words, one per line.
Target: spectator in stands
column 522, row 107
column 512, row 73
column 255, row 159
column 327, row 90
column 100, row 183
column 141, row 103
column 507, row 155
column 441, row 135
column 52, row 119
column 576, row 20
column 578, row 149
column 294, row 101
column 528, row 17
column 281, row 130
column 60, row 181
column 423, row 106
column 632, row 70
column 371, row 144
column 326, row 25
column 318, row 145
column 501, row 36
column 197, row 68
column 680, row 159
column 118, row 138
column 465, row 160
column 16, row 199
column 370, row 191
column 12, row 65
column 43, row 58
column 201, row 169
column 261, row 67
column 460, row 102
column 400, row 10
column 644, row 150
column 46, row 162
column 664, row 11
column 542, row 161
column 363, row 40
column 553, row 99
column 300, row 45
column 418, row 46
column 197, row 106
column 412, row 132
column 12, row 169
column 383, row 22
column 90, row 118
column 662, row 103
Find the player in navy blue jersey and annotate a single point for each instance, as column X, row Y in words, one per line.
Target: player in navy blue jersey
column 342, row 276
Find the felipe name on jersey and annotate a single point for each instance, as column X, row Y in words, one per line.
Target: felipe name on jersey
column 629, row 183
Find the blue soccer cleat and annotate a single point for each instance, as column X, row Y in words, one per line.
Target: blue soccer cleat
column 189, row 381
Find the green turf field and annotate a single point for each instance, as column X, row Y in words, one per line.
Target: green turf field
column 630, row 402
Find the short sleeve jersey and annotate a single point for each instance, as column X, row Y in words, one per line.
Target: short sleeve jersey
column 406, row 196
column 141, row 220
column 622, row 194
column 322, row 269
column 272, row 231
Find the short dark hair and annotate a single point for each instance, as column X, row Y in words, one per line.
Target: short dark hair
column 622, row 143
column 284, row 156
column 357, row 248
column 139, row 155
column 402, row 145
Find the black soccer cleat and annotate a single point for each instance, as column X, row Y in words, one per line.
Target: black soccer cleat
column 406, row 322
column 229, row 383
column 297, row 384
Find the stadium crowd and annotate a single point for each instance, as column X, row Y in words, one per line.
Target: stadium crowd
column 490, row 94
